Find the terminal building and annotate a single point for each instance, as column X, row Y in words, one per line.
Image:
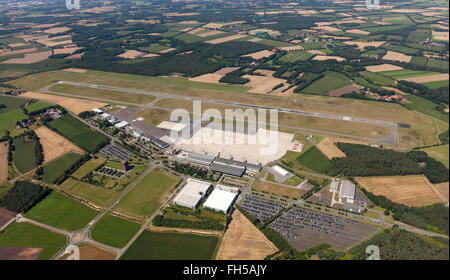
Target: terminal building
column 222, row 198
column 228, row 166
column 192, row 193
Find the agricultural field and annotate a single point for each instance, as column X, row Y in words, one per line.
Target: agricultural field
column 25, row 154
column 78, row 133
column 440, row 153
column 408, row 190
column 327, row 147
column 331, row 81
column 171, row 246
column 148, row 195
column 53, row 144
column 315, row 160
column 29, row 236
column 114, row 231
column 92, row 253
column 9, row 119
column 37, row 106
column 87, row 167
column 3, row 162
column 57, row 168
column 295, row 56
column 243, row 241
column 100, row 196
column 62, row 212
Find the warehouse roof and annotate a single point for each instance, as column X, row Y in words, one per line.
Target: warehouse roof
column 347, row 189
column 221, row 199
column 192, row 192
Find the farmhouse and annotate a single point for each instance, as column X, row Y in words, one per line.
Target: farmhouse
column 191, row 194
column 221, row 198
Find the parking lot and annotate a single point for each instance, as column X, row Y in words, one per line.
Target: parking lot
column 304, row 229
column 261, row 208
column 114, row 151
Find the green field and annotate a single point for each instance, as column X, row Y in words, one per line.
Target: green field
column 25, row 157
column 406, row 73
column 11, row 103
column 146, row 196
column 56, row 168
column 295, row 56
column 437, row 84
column 315, row 160
column 114, row 231
column 171, row 246
column 78, row 133
column 87, row 167
column 98, row 195
column 439, row 153
column 377, row 78
column 30, row 236
column 9, row 119
column 425, row 106
column 331, row 81
column 61, row 212
column 37, row 106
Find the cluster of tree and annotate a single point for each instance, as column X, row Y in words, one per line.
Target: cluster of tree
column 435, row 215
column 23, row 196
column 200, row 222
column 398, row 244
column 86, row 114
column 440, row 95
column 193, row 171
column 2, row 106
column 363, row 160
column 234, row 77
column 71, row 169
column 7, row 137
column 444, row 137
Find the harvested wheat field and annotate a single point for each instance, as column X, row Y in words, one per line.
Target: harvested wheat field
column 327, row 28
column 66, row 50
column 226, row 39
column 74, row 105
column 396, row 90
column 29, row 58
column 291, row 48
column 396, row 56
column 327, row 147
column 383, row 67
column 316, row 52
column 243, row 241
column 259, row 55
column 53, row 144
column 131, row 54
column 426, row 79
column 328, row 57
column 56, row 30
column 443, row 189
column 357, row 31
column 362, row 45
column 413, row 190
column 254, row 40
column 3, row 161
column 209, row 33
column 88, row 253
column 9, row 53
column 264, row 84
column 215, row 77
column 75, row 70
column 18, row 253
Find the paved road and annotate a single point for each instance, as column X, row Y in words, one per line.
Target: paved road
column 391, row 139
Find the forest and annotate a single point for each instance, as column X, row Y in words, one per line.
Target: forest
column 363, row 160
column 23, row 196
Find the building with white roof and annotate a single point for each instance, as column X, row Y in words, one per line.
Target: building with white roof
column 222, row 198
column 347, row 190
column 191, row 194
column 280, row 170
column 172, row 126
column 334, row 186
column 121, row 124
